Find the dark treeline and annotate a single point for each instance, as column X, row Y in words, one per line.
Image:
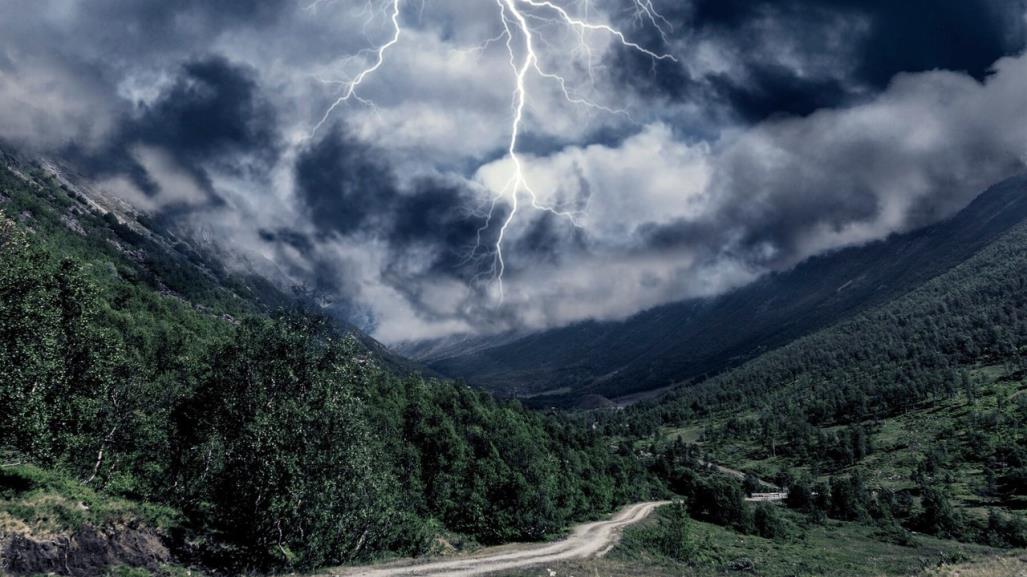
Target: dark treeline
column 279, row 439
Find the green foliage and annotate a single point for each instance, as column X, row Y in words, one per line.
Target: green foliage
column 48, row 501
column 674, row 535
column 888, row 360
column 937, row 516
column 277, row 455
column 911, row 415
column 1004, row 530
column 768, row 522
column 838, row 549
column 716, row 498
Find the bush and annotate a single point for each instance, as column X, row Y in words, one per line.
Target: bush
column 1005, row 530
column 672, row 536
column 938, row 517
column 768, row 522
column 278, row 454
column 719, row 501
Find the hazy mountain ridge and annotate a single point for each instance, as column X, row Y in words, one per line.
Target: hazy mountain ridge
column 683, row 341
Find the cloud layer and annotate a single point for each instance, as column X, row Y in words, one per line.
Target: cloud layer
column 781, row 130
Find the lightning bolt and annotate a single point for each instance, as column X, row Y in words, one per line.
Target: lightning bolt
column 350, row 87
column 516, row 18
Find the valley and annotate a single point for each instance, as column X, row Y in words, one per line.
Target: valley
column 513, row 288
column 894, row 424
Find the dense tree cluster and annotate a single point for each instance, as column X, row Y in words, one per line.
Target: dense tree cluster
column 711, row 496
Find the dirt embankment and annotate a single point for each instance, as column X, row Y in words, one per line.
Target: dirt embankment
column 87, row 552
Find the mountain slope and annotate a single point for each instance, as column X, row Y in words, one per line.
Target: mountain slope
column 929, row 388
column 82, row 220
column 684, row 341
column 133, row 376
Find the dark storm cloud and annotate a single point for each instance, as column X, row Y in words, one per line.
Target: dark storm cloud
column 548, row 239
column 794, row 187
column 774, row 89
column 772, row 231
column 439, row 215
column 295, row 239
column 64, row 63
column 343, row 183
column 786, row 129
column 213, row 111
column 126, row 30
column 908, row 36
column 212, row 116
column 784, row 49
column 348, row 187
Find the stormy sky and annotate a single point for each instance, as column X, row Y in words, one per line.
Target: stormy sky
column 717, row 141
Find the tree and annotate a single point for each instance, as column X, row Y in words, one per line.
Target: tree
column 937, row 516
column 278, row 456
column 676, row 539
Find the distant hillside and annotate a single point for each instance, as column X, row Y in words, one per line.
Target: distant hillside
column 923, row 396
column 689, row 340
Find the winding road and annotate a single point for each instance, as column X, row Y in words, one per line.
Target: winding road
column 588, row 540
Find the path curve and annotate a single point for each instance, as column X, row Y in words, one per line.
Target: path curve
column 588, row 540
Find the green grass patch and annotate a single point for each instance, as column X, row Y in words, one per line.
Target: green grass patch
column 42, row 502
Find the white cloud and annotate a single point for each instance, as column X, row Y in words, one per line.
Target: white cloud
column 650, row 178
column 767, row 197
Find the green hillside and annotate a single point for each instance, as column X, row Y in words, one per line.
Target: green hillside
column 138, row 378
column 162, row 413
column 915, row 411
column 900, row 436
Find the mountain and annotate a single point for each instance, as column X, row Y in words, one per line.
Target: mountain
column 689, row 340
column 157, row 407
column 922, row 397
column 161, row 411
column 154, row 252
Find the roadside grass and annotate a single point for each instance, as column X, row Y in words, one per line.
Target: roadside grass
column 162, row 571
column 835, row 549
column 1013, row 565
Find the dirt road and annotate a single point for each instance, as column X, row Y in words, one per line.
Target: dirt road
column 587, row 540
